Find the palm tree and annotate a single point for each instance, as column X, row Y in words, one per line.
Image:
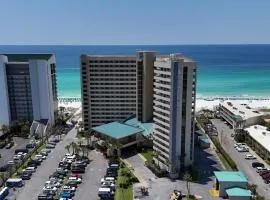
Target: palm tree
column 157, row 154
column 5, row 128
column 3, row 177
column 187, row 177
column 73, row 146
column 252, row 188
column 68, row 148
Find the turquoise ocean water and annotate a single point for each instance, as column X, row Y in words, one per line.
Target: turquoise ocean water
column 223, row 70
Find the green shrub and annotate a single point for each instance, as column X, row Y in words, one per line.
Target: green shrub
column 224, row 153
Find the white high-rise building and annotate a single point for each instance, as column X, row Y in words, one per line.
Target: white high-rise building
column 174, row 111
column 28, row 88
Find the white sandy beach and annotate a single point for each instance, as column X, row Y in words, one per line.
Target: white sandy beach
column 256, row 104
column 201, row 103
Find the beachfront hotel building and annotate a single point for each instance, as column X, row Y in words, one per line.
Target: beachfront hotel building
column 156, row 89
column 238, row 115
column 114, row 87
column 28, row 88
column 174, row 111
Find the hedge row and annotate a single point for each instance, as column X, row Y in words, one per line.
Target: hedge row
column 224, row 153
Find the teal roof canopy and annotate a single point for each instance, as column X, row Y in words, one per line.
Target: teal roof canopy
column 238, row 192
column 116, row 130
column 230, row 176
column 147, row 128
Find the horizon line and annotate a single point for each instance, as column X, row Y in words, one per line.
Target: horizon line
column 210, row 44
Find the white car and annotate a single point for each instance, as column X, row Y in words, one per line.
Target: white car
column 69, row 189
column 250, row 157
column 260, row 169
column 39, row 156
column 107, row 179
column 108, row 184
column 78, row 180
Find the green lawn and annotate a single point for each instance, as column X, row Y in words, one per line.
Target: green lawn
column 123, row 193
column 224, row 162
column 148, row 154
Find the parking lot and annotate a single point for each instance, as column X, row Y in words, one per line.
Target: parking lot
column 88, row 190
column 7, row 154
column 243, row 164
column 34, row 186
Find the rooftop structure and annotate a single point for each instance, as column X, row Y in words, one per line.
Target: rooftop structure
column 119, row 130
column 238, row 192
column 261, row 136
column 238, row 114
column 232, row 184
column 116, row 130
column 241, row 110
column 230, row 176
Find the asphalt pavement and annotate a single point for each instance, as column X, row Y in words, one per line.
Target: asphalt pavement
column 96, row 170
column 7, row 154
column 239, row 158
column 34, row 186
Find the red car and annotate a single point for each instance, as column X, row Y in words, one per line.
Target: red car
column 266, row 176
column 264, row 172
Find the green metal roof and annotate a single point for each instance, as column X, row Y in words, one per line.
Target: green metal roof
column 238, row 192
column 116, row 130
column 147, row 128
column 237, row 117
column 27, row 57
column 230, row 176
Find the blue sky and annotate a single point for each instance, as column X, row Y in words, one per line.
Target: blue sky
column 134, row 22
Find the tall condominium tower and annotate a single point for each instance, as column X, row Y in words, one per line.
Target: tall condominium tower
column 115, row 87
column 108, row 88
column 28, row 87
column 174, row 108
column 145, row 74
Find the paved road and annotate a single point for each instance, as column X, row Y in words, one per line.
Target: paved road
column 96, row 170
column 242, row 164
column 160, row 188
column 34, row 186
column 142, row 172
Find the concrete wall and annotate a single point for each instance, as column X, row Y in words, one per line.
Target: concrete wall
column 4, row 100
column 224, row 185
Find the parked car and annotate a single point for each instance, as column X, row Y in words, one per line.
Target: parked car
column 260, row 169
column 9, row 145
column 264, row 172
column 21, row 150
column 105, row 193
column 78, row 180
column 30, row 146
column 250, row 157
column 49, row 146
column 4, row 168
column 25, row 176
column 266, row 176
column 45, row 197
column 2, row 145
column 257, row 164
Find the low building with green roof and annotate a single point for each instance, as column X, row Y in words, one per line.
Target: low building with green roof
column 237, row 193
column 228, row 183
column 126, row 133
